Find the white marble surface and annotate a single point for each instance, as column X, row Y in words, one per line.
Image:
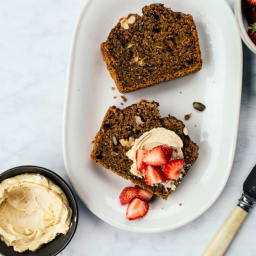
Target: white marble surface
column 34, row 46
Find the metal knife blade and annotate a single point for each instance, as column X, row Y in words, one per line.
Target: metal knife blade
column 250, row 184
column 248, row 198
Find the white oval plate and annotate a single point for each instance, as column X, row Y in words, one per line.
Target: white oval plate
column 217, row 85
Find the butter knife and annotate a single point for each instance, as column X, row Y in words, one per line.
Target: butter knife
column 232, row 224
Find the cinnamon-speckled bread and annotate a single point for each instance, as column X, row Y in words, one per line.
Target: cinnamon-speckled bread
column 119, row 129
column 158, row 46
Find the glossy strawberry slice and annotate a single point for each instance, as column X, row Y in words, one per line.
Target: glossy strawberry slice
column 137, row 208
column 127, row 195
column 140, row 153
column 173, row 168
column 143, row 194
column 155, row 157
column 153, row 175
column 167, row 151
column 252, row 2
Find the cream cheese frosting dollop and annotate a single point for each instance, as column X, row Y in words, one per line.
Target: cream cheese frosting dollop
column 154, row 138
column 33, row 210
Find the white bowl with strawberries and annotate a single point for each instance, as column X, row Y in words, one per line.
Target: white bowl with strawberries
column 245, row 12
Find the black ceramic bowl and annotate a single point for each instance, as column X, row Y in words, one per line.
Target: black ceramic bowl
column 61, row 241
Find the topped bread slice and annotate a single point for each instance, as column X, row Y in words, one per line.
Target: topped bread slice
column 158, row 46
column 121, row 129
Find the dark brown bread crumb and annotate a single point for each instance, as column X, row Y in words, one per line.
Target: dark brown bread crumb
column 187, row 116
column 158, row 46
column 123, row 98
column 180, row 204
column 114, row 97
column 122, row 103
column 121, row 124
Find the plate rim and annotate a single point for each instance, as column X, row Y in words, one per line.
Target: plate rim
column 66, row 158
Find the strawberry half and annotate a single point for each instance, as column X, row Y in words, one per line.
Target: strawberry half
column 153, row 175
column 252, row 2
column 140, row 153
column 127, row 195
column 143, row 194
column 137, row 208
column 173, row 168
column 155, row 157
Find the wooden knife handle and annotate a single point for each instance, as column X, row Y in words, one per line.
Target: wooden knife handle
column 226, row 233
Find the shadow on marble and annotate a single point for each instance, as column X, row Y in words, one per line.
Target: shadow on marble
column 249, row 74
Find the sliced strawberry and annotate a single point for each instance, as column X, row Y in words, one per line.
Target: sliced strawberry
column 253, row 15
column 167, row 151
column 153, row 175
column 173, row 168
column 155, row 157
column 127, row 195
column 140, row 153
column 137, row 208
column 252, row 2
column 143, row 194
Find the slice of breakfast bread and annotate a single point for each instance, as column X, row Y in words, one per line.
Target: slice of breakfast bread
column 158, row 46
column 117, row 133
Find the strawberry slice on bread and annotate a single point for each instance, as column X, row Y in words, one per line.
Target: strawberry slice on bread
column 153, row 175
column 173, row 168
column 167, row 151
column 140, row 154
column 156, row 157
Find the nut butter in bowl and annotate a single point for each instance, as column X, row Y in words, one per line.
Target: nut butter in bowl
column 38, row 212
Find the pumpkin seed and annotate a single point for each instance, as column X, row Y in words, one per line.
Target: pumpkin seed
column 199, row 106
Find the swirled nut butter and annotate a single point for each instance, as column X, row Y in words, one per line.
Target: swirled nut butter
column 33, row 211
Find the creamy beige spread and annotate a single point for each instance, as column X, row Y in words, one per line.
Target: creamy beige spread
column 33, row 210
column 154, row 138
